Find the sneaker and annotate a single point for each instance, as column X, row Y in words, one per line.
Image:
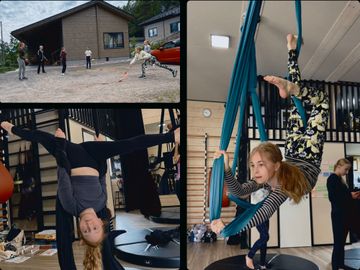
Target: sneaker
column 20, row 79
column 174, row 72
column 142, row 76
column 25, row 78
column 62, row 74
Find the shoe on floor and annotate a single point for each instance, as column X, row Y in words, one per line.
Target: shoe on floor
column 142, row 76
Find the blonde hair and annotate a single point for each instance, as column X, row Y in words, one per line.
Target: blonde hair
column 93, row 257
column 291, row 179
column 341, row 162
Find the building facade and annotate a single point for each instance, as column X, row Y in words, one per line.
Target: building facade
column 163, row 26
column 96, row 25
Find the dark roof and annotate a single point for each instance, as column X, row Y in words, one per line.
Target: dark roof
column 72, row 11
column 162, row 16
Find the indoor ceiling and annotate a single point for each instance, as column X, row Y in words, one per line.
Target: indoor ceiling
column 331, row 50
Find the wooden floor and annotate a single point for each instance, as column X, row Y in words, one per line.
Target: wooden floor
column 200, row 255
column 127, row 221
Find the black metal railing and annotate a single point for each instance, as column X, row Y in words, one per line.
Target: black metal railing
column 101, row 120
column 344, row 120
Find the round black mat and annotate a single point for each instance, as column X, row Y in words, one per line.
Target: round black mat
column 169, row 215
column 132, row 247
column 276, row 261
column 352, row 258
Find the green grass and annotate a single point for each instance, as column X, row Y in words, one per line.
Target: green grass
column 4, row 69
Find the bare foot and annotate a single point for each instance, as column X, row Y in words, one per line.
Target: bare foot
column 286, row 88
column 59, row 133
column 99, row 138
column 177, row 135
column 7, row 126
column 249, row 262
column 291, row 41
column 217, row 225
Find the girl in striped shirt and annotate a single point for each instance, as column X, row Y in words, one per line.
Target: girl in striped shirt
column 297, row 174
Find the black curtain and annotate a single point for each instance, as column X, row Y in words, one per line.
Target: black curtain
column 139, row 187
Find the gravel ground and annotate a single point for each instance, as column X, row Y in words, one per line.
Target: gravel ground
column 99, row 84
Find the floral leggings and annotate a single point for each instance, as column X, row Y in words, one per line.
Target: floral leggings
column 306, row 143
column 152, row 61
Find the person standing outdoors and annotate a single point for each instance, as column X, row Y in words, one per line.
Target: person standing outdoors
column 41, row 59
column 63, row 60
column 88, row 54
column 21, row 61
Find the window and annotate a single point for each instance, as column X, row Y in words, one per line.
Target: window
column 175, row 27
column 153, row 32
column 113, row 40
column 169, row 45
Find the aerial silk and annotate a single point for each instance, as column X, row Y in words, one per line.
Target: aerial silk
column 243, row 82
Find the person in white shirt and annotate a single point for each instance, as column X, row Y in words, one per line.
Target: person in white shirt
column 148, row 59
column 147, row 47
column 88, row 54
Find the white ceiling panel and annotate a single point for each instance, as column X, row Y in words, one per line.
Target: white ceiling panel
column 331, row 50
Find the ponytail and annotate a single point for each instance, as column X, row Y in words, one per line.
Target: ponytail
column 292, row 181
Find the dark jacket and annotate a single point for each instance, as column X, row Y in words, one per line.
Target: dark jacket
column 41, row 56
column 21, row 53
column 343, row 206
column 63, row 56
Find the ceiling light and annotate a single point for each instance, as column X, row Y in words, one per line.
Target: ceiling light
column 220, row 41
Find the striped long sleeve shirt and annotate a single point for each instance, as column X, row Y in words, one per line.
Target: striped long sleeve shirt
column 276, row 197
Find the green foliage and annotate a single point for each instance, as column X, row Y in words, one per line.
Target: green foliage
column 143, row 10
column 155, row 45
column 10, row 52
column 133, row 42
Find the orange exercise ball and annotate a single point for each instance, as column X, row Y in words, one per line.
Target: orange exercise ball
column 6, row 184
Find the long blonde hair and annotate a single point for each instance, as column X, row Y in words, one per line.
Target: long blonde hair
column 93, row 257
column 341, row 162
column 291, row 179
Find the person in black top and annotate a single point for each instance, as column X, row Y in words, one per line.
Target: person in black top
column 63, row 60
column 21, row 61
column 341, row 200
column 41, row 59
column 84, row 160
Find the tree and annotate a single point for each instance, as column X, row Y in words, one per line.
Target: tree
column 10, row 51
column 143, row 10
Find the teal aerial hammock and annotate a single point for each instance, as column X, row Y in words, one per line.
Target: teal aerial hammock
column 243, row 82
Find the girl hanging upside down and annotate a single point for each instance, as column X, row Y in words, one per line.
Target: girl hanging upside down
column 81, row 181
column 297, row 175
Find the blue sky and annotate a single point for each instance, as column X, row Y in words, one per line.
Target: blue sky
column 16, row 14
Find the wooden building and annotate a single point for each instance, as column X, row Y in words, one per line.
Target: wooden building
column 163, row 26
column 100, row 26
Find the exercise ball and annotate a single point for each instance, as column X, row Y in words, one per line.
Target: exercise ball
column 6, row 184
